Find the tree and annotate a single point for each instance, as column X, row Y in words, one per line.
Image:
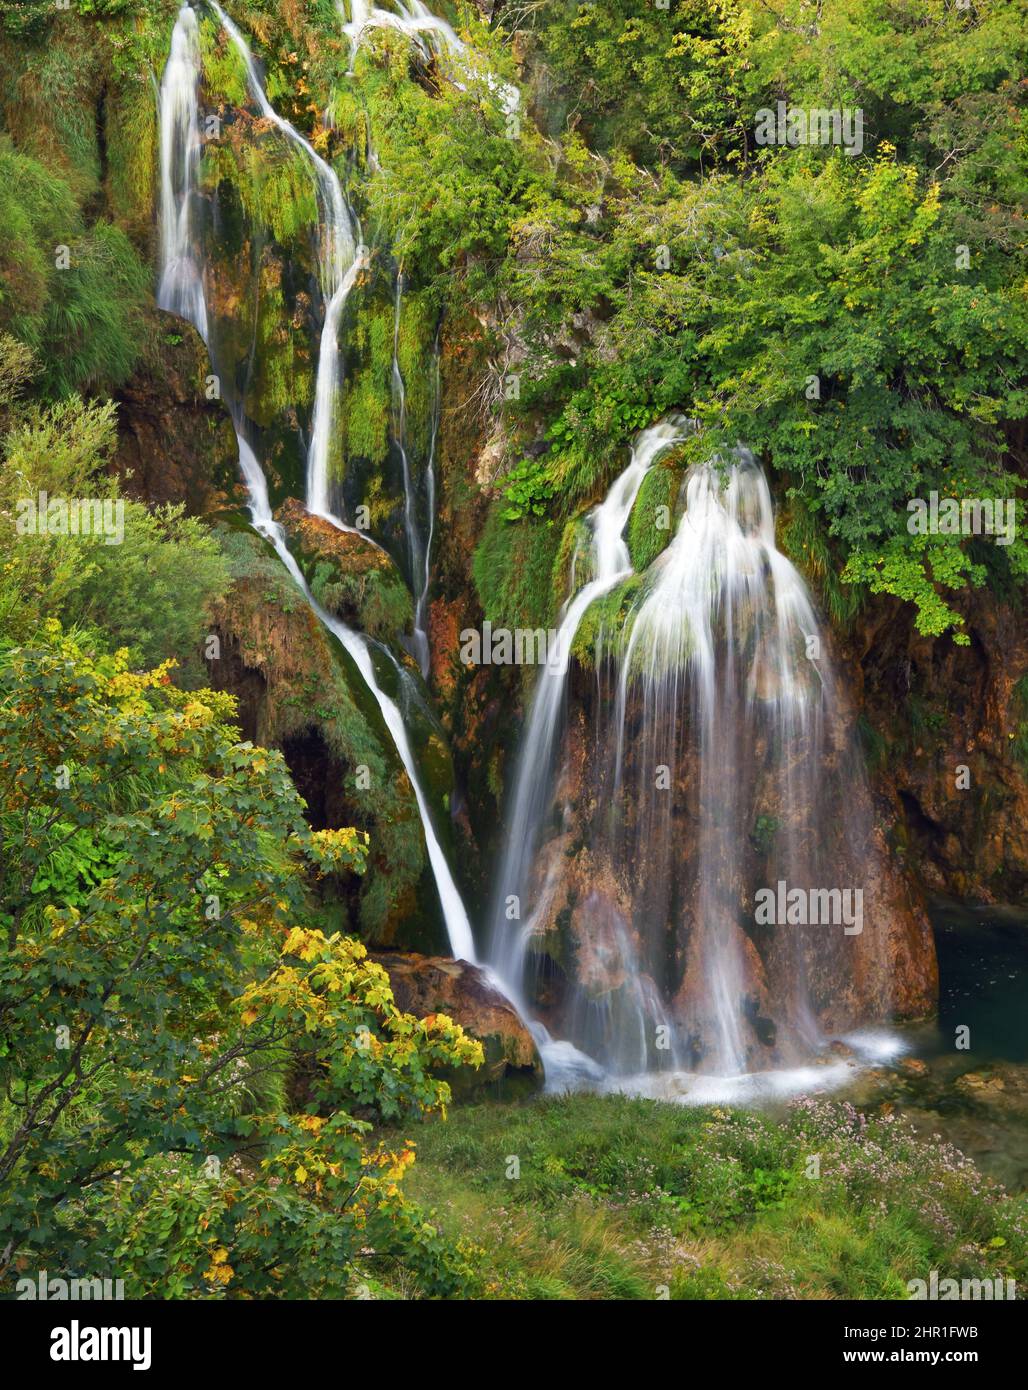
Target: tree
column 190, row 1073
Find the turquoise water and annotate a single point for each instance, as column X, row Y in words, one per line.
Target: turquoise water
column 983, row 978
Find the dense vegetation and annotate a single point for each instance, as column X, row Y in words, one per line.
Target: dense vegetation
column 206, row 1082
column 619, row 1198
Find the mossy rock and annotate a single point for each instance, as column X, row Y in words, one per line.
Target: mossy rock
column 652, row 522
column 349, row 575
column 605, row 623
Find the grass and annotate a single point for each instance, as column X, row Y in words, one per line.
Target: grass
column 590, row 1197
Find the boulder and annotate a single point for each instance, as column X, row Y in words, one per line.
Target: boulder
column 434, row 984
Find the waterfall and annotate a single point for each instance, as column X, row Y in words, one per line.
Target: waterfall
column 342, row 256
column 636, row 938
column 431, row 35
column 727, row 768
column 326, row 392
column 421, row 607
column 458, row 927
column 417, row 548
column 341, row 259
column 339, row 233
column 180, row 285
column 725, row 624
column 532, row 796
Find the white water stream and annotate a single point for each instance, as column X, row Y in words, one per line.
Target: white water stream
column 341, row 260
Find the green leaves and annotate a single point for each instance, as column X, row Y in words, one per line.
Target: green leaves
column 527, row 489
column 156, row 992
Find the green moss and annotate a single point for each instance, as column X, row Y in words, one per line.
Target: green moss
column 367, row 390
column 514, row 567
column 379, row 597
column 273, row 183
column 804, row 540
column 350, row 118
column 223, row 69
column 283, row 377
column 604, row 625
column 364, row 418
column 132, row 156
column 651, row 525
column 414, row 354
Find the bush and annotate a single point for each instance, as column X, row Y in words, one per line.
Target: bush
column 145, row 1003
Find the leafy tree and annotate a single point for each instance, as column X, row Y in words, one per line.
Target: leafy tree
column 190, row 1073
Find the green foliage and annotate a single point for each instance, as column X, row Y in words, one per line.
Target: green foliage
column 151, row 593
column 663, row 85
column 85, row 322
column 764, row 833
column 142, row 997
column 835, row 271
column 513, row 568
column 455, row 180
column 606, row 1182
column 527, row 489
column 147, row 585
column 727, row 297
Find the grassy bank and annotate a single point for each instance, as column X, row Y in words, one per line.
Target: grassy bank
column 605, row 1197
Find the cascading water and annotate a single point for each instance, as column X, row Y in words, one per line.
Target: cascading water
column 431, row 35
column 178, row 124
column 418, row 547
column 646, row 884
column 338, row 231
column 342, row 256
column 727, row 766
column 326, row 395
column 180, row 284
column 435, row 396
column 458, row 928
column 532, row 797
column 724, row 628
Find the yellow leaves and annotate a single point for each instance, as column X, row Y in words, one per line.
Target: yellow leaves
column 220, row 1272
column 198, row 713
column 301, row 1174
column 249, row 1016
column 308, row 945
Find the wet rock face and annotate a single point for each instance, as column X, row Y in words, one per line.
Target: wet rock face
column 349, row 575
column 950, row 722
column 627, row 913
column 174, row 445
column 432, row 984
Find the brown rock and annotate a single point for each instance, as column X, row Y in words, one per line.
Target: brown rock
column 914, row 1066
column 433, row 984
